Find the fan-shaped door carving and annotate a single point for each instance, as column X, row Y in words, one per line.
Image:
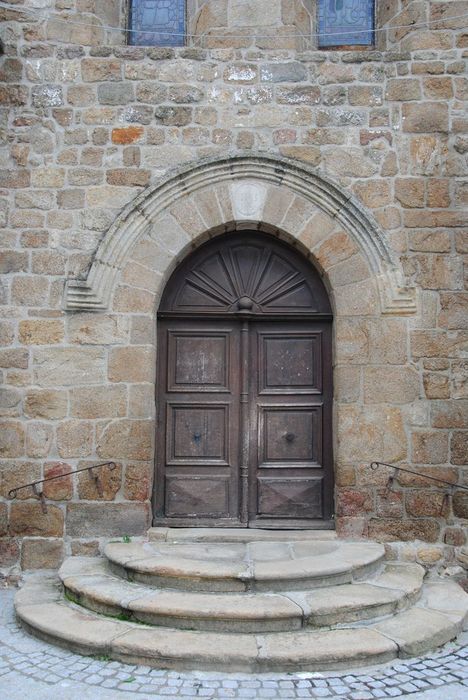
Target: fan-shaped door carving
column 244, row 389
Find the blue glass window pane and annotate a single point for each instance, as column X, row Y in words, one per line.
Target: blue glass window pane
column 157, row 23
column 346, row 22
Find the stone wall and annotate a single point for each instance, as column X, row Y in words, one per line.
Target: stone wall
column 86, row 129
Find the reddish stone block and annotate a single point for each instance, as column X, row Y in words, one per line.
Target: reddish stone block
column 59, row 489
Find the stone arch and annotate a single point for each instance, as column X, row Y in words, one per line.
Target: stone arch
column 277, row 194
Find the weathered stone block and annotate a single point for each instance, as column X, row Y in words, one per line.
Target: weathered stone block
column 138, row 481
column 41, row 332
column 390, row 384
column 454, row 310
column 459, row 447
column 373, row 433
column 430, row 447
column 29, row 291
column 39, row 437
column 298, row 95
column 130, row 177
column 98, row 402
column 115, row 93
column 173, row 116
column 410, row 191
column 9, row 551
column 127, row 134
column 403, row 89
column 41, row 553
column 44, row 403
column 74, row 438
column 436, row 386
column 351, row 502
column 460, row 504
column 68, row 366
column 16, row 473
column 426, row 503
column 126, row 439
column 99, row 69
column 47, row 95
column 132, row 364
column 426, row 117
column 10, row 400
column 28, row 519
column 389, row 530
column 110, row 479
column 11, row 438
column 59, row 489
column 110, row 520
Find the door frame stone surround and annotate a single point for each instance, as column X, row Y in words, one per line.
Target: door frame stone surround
column 364, row 280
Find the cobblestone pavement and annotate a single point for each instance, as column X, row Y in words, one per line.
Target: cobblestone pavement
column 32, row 668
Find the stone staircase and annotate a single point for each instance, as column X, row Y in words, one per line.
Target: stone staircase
column 242, row 600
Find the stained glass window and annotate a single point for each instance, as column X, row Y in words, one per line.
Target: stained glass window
column 346, row 22
column 157, row 22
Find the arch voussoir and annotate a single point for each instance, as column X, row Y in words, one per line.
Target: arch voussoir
column 251, row 191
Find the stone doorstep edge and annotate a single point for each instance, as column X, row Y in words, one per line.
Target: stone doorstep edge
column 126, row 642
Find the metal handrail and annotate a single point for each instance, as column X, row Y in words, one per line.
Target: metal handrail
column 376, row 465
column 12, row 493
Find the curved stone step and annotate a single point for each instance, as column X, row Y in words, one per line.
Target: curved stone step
column 92, row 585
column 240, row 567
column 40, row 609
column 213, row 534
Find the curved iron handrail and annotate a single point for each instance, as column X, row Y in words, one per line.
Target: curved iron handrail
column 12, row 493
column 376, row 465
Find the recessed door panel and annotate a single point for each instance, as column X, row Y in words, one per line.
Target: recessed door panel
column 197, row 497
column 290, row 436
column 290, row 497
column 197, row 433
column 198, row 363
column 290, row 363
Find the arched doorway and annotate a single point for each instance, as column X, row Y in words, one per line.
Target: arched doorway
column 244, row 390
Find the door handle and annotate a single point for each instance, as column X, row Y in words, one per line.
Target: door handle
column 289, row 437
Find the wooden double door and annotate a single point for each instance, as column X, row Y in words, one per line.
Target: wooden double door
column 244, row 397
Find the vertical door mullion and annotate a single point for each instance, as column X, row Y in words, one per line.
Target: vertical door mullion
column 244, row 423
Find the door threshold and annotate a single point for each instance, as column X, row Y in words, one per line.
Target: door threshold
column 242, row 534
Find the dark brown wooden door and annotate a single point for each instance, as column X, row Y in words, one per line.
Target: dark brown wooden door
column 244, row 390
column 290, row 420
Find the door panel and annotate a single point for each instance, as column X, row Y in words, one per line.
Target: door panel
column 198, row 423
column 290, row 407
column 289, row 436
column 198, row 362
column 197, row 433
column 290, row 364
column 281, row 498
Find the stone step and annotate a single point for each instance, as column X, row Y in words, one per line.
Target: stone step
column 244, row 566
column 212, row 534
column 42, row 610
column 91, row 584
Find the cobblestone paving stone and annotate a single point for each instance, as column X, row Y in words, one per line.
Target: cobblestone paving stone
column 24, row 658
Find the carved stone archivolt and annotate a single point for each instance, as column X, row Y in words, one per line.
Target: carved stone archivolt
column 261, row 192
